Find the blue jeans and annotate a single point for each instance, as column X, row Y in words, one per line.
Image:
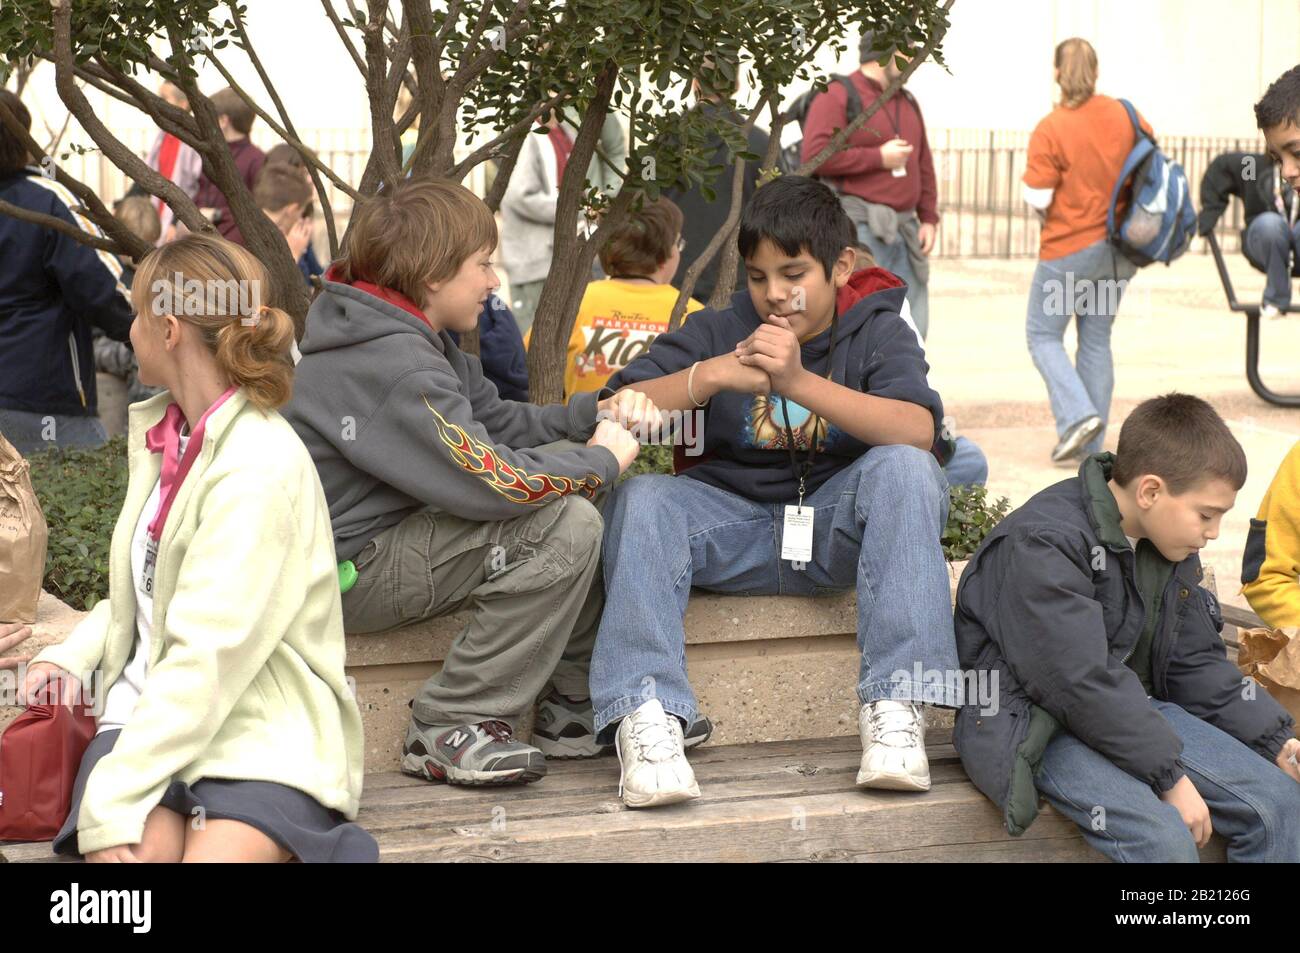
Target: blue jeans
column 894, row 258
column 968, row 466
column 1087, row 286
column 1252, row 802
column 876, row 529
column 1269, row 245
column 31, row 433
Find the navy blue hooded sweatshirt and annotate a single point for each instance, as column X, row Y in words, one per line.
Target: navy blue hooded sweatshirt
column 745, row 446
column 53, row 289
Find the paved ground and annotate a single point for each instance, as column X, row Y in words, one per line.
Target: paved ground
column 1173, row 332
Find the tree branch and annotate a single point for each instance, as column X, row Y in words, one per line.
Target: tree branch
column 123, row 237
column 486, row 151
column 59, row 225
column 307, row 153
column 841, row 138
column 347, row 40
column 724, row 233
column 326, row 210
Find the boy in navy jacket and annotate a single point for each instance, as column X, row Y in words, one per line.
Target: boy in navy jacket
column 1112, row 694
column 815, row 476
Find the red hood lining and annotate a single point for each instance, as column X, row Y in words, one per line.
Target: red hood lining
column 383, row 294
column 863, row 283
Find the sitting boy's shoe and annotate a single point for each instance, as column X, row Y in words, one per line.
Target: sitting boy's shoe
column 1269, row 311
column 1076, row 438
column 482, row 753
column 653, row 758
column 565, row 728
column 893, row 747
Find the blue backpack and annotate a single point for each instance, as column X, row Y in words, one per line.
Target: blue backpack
column 1160, row 221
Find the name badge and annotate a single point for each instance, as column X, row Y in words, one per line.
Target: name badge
column 797, row 538
column 146, row 571
column 899, row 172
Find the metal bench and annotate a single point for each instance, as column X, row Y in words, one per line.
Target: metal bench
column 1251, row 311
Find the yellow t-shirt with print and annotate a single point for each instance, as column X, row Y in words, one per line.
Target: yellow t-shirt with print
column 617, row 322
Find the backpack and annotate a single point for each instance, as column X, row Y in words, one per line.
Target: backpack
column 789, row 159
column 1160, row 221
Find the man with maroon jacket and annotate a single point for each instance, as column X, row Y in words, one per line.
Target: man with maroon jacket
column 885, row 175
column 236, row 118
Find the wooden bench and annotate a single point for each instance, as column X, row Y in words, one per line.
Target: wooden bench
column 762, row 800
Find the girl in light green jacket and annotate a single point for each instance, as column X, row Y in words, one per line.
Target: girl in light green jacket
column 226, row 730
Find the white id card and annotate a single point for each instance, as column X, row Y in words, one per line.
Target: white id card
column 146, row 571
column 796, row 541
column 899, row 172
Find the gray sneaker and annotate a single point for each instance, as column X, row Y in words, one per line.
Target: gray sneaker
column 482, row 753
column 567, row 729
column 1076, row 439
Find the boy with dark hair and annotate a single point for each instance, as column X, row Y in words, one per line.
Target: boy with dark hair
column 442, row 495
column 815, row 476
column 1115, row 699
column 235, row 118
column 1278, row 116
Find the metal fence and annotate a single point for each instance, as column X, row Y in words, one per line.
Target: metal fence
column 978, row 176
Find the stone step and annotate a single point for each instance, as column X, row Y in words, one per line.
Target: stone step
column 764, row 668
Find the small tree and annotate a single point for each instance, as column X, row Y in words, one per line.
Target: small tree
column 482, row 71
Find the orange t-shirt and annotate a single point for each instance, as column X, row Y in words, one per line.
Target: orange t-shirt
column 1078, row 153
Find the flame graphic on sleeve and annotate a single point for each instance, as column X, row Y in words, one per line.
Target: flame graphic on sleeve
column 514, row 484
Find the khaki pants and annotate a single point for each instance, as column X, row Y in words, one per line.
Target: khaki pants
column 533, row 583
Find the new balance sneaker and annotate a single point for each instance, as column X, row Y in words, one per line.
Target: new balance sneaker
column 653, row 758
column 1076, row 438
column 893, row 747
column 564, row 728
column 482, row 753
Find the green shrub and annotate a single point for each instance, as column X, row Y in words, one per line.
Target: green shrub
column 970, row 518
column 81, row 493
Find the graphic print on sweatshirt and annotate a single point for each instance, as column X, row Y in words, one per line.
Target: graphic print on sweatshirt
column 764, row 426
column 515, row 484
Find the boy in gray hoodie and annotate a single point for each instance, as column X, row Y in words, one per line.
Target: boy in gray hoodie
column 445, row 496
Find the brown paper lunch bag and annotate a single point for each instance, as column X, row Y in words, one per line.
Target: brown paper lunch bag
column 23, row 538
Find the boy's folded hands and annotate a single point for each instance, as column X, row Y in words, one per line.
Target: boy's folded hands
column 773, row 349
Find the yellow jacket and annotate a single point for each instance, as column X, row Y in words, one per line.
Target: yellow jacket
column 245, row 678
column 1270, row 571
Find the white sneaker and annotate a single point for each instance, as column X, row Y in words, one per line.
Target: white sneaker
column 893, row 747
column 1268, row 311
column 653, row 759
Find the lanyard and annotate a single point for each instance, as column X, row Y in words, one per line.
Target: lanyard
column 166, row 436
column 801, row 470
